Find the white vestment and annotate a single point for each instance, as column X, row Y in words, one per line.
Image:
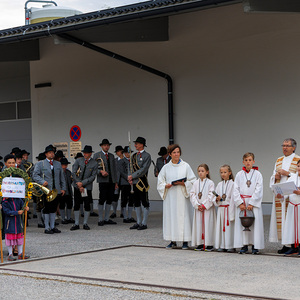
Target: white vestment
column 291, row 227
column 225, row 215
column 203, row 232
column 255, row 191
column 273, row 235
column 177, row 225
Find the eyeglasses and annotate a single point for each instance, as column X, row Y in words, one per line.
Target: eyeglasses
column 286, row 146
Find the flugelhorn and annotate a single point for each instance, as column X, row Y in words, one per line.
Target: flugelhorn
column 39, row 190
column 101, row 165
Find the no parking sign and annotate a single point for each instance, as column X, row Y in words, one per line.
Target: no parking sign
column 75, row 133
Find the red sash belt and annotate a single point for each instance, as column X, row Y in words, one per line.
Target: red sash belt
column 245, row 197
column 226, row 208
column 203, row 228
column 296, row 221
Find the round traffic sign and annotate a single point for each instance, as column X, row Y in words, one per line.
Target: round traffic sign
column 75, row 133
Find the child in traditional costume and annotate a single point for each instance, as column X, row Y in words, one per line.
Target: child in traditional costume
column 226, row 211
column 13, row 209
column 291, row 227
column 201, row 197
column 248, row 194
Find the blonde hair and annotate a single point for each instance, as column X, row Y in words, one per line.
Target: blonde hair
column 206, row 168
column 248, row 154
column 231, row 176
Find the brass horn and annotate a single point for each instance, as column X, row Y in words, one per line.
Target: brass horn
column 39, row 190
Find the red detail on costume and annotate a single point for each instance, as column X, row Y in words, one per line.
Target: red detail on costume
column 254, row 168
column 244, row 197
column 226, row 208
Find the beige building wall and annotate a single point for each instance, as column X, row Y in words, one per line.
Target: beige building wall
column 236, row 88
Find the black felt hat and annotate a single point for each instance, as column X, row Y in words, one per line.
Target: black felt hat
column 25, row 152
column 15, row 150
column 79, row 154
column 1, row 157
column 64, row 161
column 126, row 149
column 87, row 149
column 119, row 148
column 140, row 140
column 50, row 148
column 105, row 142
column 163, row 151
column 59, row 154
column 41, row 156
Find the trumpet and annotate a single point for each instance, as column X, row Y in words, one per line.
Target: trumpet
column 101, row 165
column 39, row 190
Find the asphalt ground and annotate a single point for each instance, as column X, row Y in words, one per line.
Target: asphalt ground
column 113, row 262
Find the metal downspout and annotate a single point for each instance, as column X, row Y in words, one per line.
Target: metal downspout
column 137, row 65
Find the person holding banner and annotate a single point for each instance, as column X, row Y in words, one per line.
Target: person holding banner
column 13, row 209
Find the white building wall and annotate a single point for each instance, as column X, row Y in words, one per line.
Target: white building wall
column 235, row 90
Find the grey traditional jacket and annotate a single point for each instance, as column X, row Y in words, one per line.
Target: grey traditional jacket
column 123, row 167
column 160, row 163
column 144, row 162
column 68, row 179
column 84, row 173
column 42, row 172
column 113, row 168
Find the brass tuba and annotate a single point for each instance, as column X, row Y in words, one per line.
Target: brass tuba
column 39, row 190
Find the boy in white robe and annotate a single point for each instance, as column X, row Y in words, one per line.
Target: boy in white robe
column 291, row 227
column 248, row 194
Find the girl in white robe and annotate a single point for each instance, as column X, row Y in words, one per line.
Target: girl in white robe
column 248, row 194
column 226, row 211
column 203, row 230
column 291, row 227
column 177, row 219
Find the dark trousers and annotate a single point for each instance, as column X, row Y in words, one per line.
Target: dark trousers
column 51, row 207
column 117, row 195
column 106, row 193
column 39, row 203
column 85, row 200
column 140, row 198
column 126, row 196
column 66, row 200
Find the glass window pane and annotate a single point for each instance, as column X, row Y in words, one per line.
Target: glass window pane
column 8, row 111
column 24, row 109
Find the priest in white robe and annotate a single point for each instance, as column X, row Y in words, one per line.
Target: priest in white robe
column 177, row 219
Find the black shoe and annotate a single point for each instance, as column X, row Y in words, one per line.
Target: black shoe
column 55, row 230
column 113, row 215
column 244, row 250
column 132, row 220
column 56, row 223
column 135, row 226
column 49, row 231
column 199, row 248
column 283, row 250
column 64, row 222
column 292, row 251
column 110, row 222
column 86, row 227
column 172, row 245
column 41, row 225
column 122, row 216
column 75, row 227
column 34, row 216
column 142, row 227
column 126, row 221
column 83, row 215
column 101, row 223
column 92, row 214
column 71, row 221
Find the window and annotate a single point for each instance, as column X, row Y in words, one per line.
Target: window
column 15, row 110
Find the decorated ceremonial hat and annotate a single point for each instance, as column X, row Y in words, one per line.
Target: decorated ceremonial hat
column 64, row 161
column 41, row 156
column 163, row 151
column 79, row 154
column 119, row 148
column 24, row 152
column 15, row 150
column 126, row 149
column 59, row 154
column 50, row 148
column 87, row 149
column 105, row 142
column 140, row 140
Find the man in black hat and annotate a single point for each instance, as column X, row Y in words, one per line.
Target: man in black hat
column 84, row 172
column 15, row 150
column 59, row 155
column 67, row 199
column 49, row 173
column 119, row 152
column 163, row 159
column 107, row 179
column 141, row 162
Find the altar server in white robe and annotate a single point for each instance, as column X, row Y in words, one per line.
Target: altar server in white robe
column 248, row 194
column 226, row 211
column 177, row 224
column 291, row 228
column 204, row 221
column 285, row 166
